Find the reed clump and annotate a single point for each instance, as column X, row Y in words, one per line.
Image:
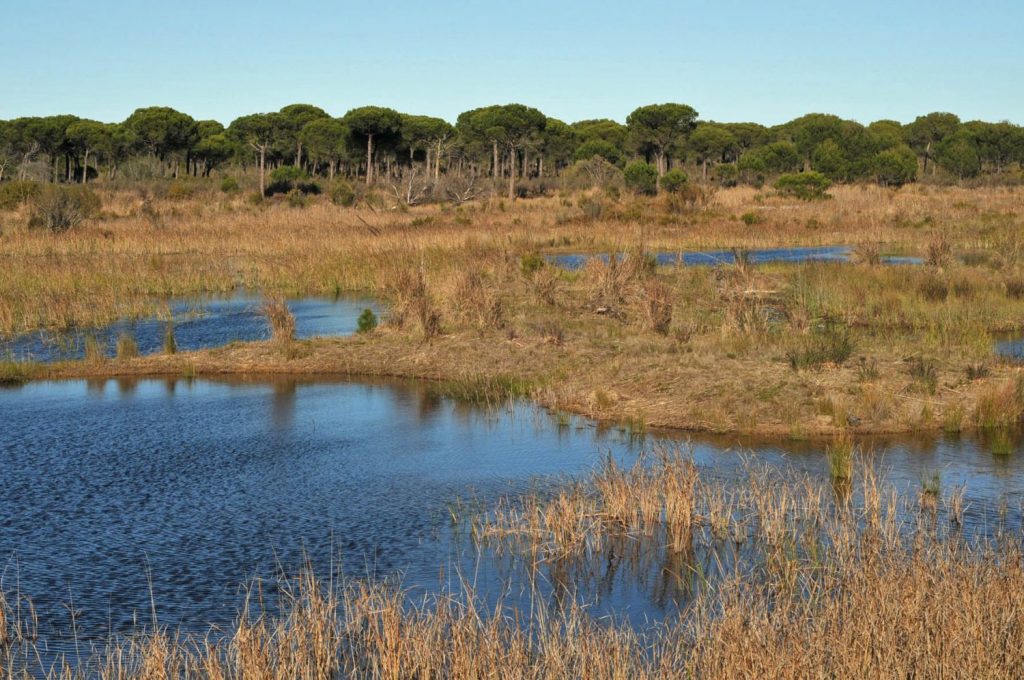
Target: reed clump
column 279, row 318
column 840, row 453
column 127, row 348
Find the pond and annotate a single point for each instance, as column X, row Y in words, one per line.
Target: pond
column 685, row 258
column 124, row 494
column 197, row 323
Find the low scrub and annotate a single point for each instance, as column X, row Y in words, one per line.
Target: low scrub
column 16, row 193
column 833, row 345
column 807, row 186
column 59, row 209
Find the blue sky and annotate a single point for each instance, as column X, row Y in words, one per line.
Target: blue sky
column 740, row 60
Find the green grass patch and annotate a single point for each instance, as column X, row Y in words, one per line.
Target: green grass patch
column 483, row 390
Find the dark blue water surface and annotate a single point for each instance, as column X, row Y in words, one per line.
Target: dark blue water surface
column 199, row 323
column 725, row 257
column 119, row 491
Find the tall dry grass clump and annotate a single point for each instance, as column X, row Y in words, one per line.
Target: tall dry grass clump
column 412, row 302
column 279, row 318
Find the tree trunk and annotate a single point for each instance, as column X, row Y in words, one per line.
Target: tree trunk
column 298, row 154
column 369, row 159
column 526, row 166
column 85, row 166
column 512, row 173
column 437, row 162
column 495, row 172
column 705, row 170
column 263, row 170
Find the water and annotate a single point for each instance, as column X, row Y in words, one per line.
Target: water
column 1010, row 347
column 123, row 493
column 726, row 257
column 199, row 323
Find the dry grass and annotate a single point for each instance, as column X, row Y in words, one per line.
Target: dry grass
column 700, row 348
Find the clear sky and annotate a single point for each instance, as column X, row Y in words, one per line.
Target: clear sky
column 731, row 60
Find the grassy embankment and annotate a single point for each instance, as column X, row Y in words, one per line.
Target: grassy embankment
column 776, row 349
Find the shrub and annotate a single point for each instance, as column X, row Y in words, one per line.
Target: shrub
column 297, row 199
column 62, row 208
column 592, row 208
column 343, row 194
column 14, row 194
column 926, row 372
column 229, row 185
column 180, row 189
column 530, row 263
column 366, row 322
column 831, row 345
column 641, row 178
column 727, row 174
column 807, row 186
column 673, row 181
column 751, row 218
column 288, row 173
column 289, row 178
column 592, row 172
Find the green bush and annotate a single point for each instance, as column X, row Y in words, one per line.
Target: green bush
column 60, row 208
column 288, row 173
column 673, row 181
column 751, row 218
column 367, row 321
column 297, row 199
column 289, row 178
column 13, row 194
column 641, row 178
column 530, row 263
column 343, row 194
column 727, row 174
column 808, row 186
column 229, row 185
column 895, row 167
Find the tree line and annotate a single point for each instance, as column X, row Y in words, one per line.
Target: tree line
column 507, row 143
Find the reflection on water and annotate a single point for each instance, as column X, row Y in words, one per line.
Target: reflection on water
column 115, row 490
column 199, row 323
column 726, row 257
